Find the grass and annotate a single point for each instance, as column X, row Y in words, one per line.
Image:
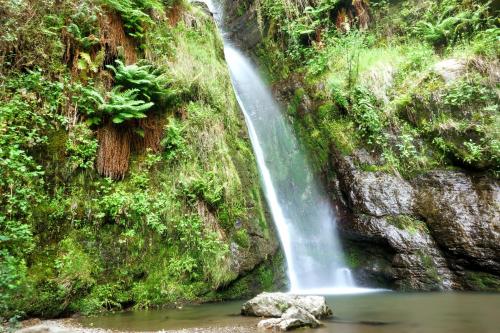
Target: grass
column 409, row 224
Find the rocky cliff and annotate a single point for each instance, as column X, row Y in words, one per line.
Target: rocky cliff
column 416, row 210
column 437, row 231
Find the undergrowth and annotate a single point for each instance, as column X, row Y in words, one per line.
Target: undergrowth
column 380, row 88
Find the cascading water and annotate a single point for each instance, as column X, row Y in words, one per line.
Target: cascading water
column 299, row 206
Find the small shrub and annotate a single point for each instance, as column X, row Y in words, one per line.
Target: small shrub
column 173, row 141
column 368, row 116
column 473, row 152
column 81, row 147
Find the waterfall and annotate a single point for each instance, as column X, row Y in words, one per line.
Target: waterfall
column 299, row 205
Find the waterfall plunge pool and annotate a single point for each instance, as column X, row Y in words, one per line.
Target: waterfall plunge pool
column 388, row 312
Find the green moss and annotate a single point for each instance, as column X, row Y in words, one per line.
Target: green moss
column 430, row 268
column 241, row 238
column 408, row 223
column 352, row 259
column 481, row 281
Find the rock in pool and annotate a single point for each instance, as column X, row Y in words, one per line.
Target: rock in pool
column 287, row 311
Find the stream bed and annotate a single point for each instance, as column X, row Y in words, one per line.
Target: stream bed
column 386, row 312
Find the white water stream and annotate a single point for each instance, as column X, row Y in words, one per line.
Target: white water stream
column 300, row 208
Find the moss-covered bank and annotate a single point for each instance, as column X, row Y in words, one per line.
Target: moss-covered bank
column 136, row 90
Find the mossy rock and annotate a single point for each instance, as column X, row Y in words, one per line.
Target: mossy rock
column 481, row 281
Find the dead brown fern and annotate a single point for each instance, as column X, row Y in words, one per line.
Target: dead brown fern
column 361, row 12
column 115, row 41
column 114, row 151
column 152, row 128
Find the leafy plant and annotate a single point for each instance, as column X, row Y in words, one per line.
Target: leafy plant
column 85, row 41
column 88, row 66
column 149, row 81
column 447, row 21
column 173, row 141
column 474, row 152
column 119, row 105
column 368, row 116
column 133, row 13
column 206, row 189
column 81, row 147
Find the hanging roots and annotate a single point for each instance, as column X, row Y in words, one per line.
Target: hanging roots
column 114, row 151
column 115, row 40
column 153, row 132
column 361, row 12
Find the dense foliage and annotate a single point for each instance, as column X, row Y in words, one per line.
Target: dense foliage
column 73, row 241
column 414, row 82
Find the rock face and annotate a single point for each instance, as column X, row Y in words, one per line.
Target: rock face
column 287, row 311
column 242, row 23
column 450, row 69
column 438, row 231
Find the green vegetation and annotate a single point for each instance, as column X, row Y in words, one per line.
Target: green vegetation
column 430, row 268
column 408, row 223
column 118, row 105
column 134, row 14
column 376, row 81
column 482, row 281
column 164, row 114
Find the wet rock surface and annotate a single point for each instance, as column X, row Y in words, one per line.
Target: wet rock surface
column 463, row 214
column 431, row 229
column 242, row 22
column 275, row 305
column 287, row 311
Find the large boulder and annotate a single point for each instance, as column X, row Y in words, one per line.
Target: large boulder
column 276, row 305
column 417, row 263
column 292, row 318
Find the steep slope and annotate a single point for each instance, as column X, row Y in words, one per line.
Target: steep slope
column 126, row 174
column 398, row 104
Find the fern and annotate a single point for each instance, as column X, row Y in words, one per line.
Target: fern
column 452, row 22
column 87, row 65
column 119, row 105
column 133, row 13
column 86, row 42
column 151, row 82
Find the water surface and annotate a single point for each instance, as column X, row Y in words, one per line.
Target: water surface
column 366, row 313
